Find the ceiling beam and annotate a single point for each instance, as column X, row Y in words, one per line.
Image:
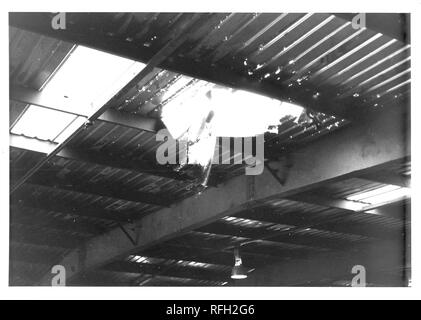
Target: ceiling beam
column 62, row 104
column 349, row 152
column 125, row 83
column 95, row 157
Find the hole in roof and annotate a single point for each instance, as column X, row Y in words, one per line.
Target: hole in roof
column 86, row 74
column 83, row 76
column 253, row 114
column 204, row 111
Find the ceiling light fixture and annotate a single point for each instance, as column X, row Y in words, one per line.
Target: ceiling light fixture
column 238, row 271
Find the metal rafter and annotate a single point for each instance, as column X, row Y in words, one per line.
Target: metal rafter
column 180, row 34
column 96, row 158
column 59, row 103
column 212, row 72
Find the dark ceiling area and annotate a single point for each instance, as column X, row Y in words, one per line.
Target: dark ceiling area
column 99, row 203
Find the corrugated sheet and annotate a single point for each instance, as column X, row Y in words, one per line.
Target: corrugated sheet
column 298, row 52
column 314, row 55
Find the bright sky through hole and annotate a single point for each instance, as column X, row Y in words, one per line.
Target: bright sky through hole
column 384, row 194
column 86, row 74
column 237, row 113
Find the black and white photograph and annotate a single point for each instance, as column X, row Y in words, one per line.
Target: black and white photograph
column 209, row 149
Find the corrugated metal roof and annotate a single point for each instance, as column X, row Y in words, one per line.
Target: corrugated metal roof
column 34, row 58
column 318, row 57
column 317, row 52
